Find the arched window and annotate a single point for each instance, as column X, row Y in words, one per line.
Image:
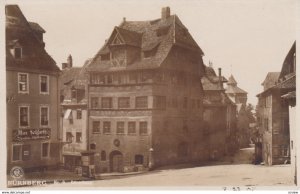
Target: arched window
column 103, row 155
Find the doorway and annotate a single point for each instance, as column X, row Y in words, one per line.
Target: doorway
column 116, row 161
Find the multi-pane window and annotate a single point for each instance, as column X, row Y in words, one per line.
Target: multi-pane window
column 44, row 116
column 106, row 127
column 131, row 127
column 24, row 116
column 106, row 102
column 143, row 127
column 23, row 82
column 79, row 114
column 69, row 137
column 78, row 137
column 141, row 102
column 44, row 84
column 120, row 127
column 45, row 149
column 16, row 152
column 96, row 126
column 94, row 102
column 124, row 102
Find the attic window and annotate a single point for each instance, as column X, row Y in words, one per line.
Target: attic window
column 105, row 57
column 18, row 52
column 162, row 31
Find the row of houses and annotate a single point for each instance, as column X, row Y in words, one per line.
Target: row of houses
column 145, row 100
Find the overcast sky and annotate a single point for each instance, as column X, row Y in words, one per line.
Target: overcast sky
column 244, row 38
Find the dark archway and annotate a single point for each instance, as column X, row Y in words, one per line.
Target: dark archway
column 116, row 161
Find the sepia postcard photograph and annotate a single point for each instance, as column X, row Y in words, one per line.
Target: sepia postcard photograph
column 130, row 94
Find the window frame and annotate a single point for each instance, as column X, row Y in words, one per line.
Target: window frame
column 104, row 129
column 137, row 102
column 110, row 102
column 48, row 150
column 28, row 116
column 141, row 132
column 20, row 153
column 121, row 127
column 67, row 136
column 78, row 112
column 93, row 100
column 93, row 129
column 48, row 115
column 129, row 128
column 80, row 139
column 47, row 84
column 21, row 53
column 27, row 83
column 123, row 98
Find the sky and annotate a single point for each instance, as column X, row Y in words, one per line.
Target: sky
column 246, row 38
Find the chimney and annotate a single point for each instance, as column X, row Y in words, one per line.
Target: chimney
column 165, row 13
column 220, row 78
column 70, row 61
column 124, row 19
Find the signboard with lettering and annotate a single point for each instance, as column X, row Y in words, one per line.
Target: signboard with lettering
column 31, row 134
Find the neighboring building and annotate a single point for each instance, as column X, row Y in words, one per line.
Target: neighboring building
column 145, row 97
column 74, row 119
column 276, row 103
column 239, row 97
column 32, row 96
column 220, row 132
column 287, row 83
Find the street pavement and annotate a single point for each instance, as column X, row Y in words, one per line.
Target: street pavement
column 238, row 172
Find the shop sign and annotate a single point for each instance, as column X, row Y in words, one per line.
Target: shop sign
column 31, row 134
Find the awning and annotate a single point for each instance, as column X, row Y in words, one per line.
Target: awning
column 68, row 114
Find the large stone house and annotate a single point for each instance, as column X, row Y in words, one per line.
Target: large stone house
column 239, row 97
column 273, row 112
column 31, row 96
column 74, row 114
column 220, row 132
column 145, row 97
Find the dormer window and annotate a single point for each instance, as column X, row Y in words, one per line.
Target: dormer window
column 18, row 53
column 105, row 57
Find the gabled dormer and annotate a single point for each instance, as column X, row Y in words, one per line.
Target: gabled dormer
column 16, row 49
column 122, row 48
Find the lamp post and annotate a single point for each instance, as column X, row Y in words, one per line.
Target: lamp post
column 151, row 163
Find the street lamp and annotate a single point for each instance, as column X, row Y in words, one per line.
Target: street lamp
column 151, row 163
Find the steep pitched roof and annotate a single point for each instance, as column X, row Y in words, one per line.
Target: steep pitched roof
column 271, row 80
column 232, row 87
column 160, row 34
column 211, row 81
column 288, row 62
column 36, row 26
column 231, row 81
column 35, row 57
